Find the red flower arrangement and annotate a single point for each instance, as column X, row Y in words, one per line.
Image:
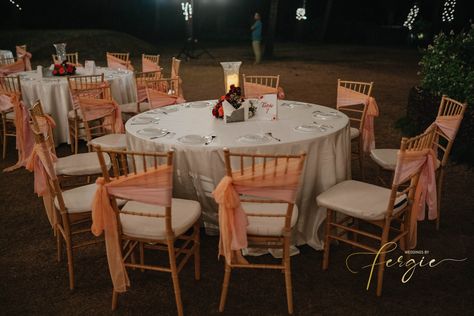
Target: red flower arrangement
column 64, row 69
column 234, row 97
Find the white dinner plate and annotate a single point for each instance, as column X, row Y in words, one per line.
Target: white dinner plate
column 253, row 139
column 308, row 128
column 192, row 139
column 326, row 115
column 152, row 131
column 165, row 109
column 296, row 105
column 199, row 104
column 145, row 120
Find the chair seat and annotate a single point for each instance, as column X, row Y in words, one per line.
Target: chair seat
column 72, row 114
column 131, row 107
column 354, row 132
column 145, row 106
column 387, row 158
column 110, row 141
column 184, row 213
column 360, row 200
column 80, row 164
column 10, row 115
column 267, row 226
column 79, row 200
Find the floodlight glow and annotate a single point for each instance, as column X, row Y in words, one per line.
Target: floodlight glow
column 15, row 4
column 301, row 14
column 411, row 17
column 448, row 11
column 187, row 10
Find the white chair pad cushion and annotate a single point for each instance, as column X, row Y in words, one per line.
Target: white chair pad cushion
column 129, row 107
column 387, row 158
column 79, row 200
column 110, row 141
column 360, row 200
column 354, row 132
column 71, row 114
column 10, row 115
column 267, row 226
column 80, row 164
column 184, row 213
column 144, row 106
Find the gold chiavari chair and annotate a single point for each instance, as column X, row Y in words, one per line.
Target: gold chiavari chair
column 254, row 86
column 71, row 211
column 92, row 86
column 175, row 68
column 83, row 164
column 387, row 210
column 9, row 86
column 386, row 158
column 356, row 114
column 153, row 58
column 141, row 78
column 162, row 92
column 10, row 66
column 150, row 227
column 72, row 58
column 123, row 57
column 270, row 220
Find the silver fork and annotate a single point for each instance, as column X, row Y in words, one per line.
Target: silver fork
column 270, row 134
column 210, row 140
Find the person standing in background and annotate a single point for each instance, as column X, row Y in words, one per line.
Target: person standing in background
column 257, row 38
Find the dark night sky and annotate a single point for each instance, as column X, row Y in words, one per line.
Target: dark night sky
column 350, row 21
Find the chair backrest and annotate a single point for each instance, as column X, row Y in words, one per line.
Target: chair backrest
column 255, row 86
column 123, row 56
column 99, row 116
column 356, row 112
column 7, row 60
column 90, row 86
column 175, row 65
column 10, row 84
column 443, row 144
column 414, row 144
column 72, row 58
column 130, row 164
column 11, row 65
column 142, row 77
column 264, row 171
column 39, row 120
column 154, row 58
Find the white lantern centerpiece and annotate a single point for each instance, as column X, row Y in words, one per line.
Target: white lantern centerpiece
column 231, row 74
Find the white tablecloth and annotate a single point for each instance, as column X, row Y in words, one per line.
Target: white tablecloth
column 5, row 54
column 53, row 92
column 199, row 168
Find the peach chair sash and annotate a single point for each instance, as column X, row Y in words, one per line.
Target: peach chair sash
column 26, row 56
column 117, row 63
column 409, row 163
column 449, row 125
column 152, row 187
column 159, row 99
column 93, row 109
column 279, row 183
column 24, row 137
column 8, row 69
column 148, row 65
column 141, row 93
column 348, row 97
column 38, row 164
column 5, row 103
column 255, row 90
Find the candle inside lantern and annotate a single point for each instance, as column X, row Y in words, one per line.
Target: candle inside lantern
column 231, row 74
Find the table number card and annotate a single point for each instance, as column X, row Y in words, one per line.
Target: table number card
column 90, row 67
column 267, row 108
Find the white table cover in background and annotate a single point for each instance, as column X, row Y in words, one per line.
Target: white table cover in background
column 328, row 155
column 5, row 54
column 53, row 92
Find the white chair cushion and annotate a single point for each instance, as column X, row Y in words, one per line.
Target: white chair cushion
column 267, row 226
column 387, row 158
column 110, row 141
column 80, row 164
column 359, row 199
column 129, row 107
column 79, row 200
column 10, row 115
column 354, row 132
column 184, row 213
column 71, row 114
column 144, row 106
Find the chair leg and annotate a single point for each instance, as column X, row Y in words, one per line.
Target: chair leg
column 225, row 287
column 197, row 252
column 287, row 265
column 76, row 136
column 142, row 255
column 4, row 136
column 327, row 240
column 58, row 244
column 114, row 300
column 361, row 159
column 439, row 186
column 174, row 276
column 70, row 263
column 382, row 256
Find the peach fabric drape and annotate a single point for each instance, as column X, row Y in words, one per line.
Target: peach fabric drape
column 24, row 138
column 26, row 56
column 5, row 103
column 148, row 65
column 348, row 97
column 152, row 187
column 117, row 63
column 159, row 99
column 93, row 109
column 449, row 125
column 408, row 164
column 255, row 90
column 279, row 183
column 8, row 69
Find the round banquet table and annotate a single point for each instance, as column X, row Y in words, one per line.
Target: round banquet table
column 200, row 167
column 53, row 92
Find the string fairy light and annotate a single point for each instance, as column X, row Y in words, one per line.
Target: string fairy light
column 411, row 17
column 15, row 4
column 301, row 12
column 448, row 11
column 187, row 10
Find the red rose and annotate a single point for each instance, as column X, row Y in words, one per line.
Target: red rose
column 70, row 69
column 61, row 71
column 221, row 111
column 55, row 72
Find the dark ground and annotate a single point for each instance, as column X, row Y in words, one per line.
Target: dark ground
column 32, row 282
